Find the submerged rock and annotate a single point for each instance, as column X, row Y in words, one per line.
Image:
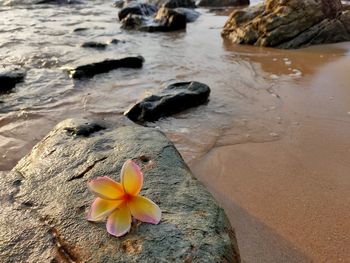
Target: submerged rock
column 93, row 44
column 289, row 24
column 221, row 3
column 135, row 8
column 46, row 198
column 90, row 70
column 166, row 20
column 173, row 99
column 9, row 79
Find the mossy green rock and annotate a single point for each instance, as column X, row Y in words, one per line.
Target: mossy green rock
column 45, row 199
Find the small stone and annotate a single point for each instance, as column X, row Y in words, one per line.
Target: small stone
column 116, row 41
column 90, row 70
column 93, row 44
column 79, row 29
column 273, row 134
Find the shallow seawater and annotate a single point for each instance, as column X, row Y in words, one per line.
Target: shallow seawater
column 41, row 39
column 258, row 96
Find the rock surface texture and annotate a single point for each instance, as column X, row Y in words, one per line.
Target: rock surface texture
column 190, row 14
column 173, row 99
column 45, row 199
column 174, row 3
column 289, row 24
column 90, row 70
column 222, row 3
column 135, row 8
column 9, row 79
column 165, row 20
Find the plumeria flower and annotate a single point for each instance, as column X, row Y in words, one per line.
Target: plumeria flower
column 119, row 201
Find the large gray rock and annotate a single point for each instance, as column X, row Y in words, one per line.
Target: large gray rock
column 289, row 24
column 93, row 44
column 44, row 200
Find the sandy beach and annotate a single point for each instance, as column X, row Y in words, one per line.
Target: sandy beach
column 271, row 143
column 289, row 198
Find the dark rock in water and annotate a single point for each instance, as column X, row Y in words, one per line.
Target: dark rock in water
column 9, row 79
column 116, row 41
column 166, row 20
column 191, row 15
column 59, row 2
column 46, row 197
column 90, row 70
column 221, row 3
column 94, row 45
column 174, row 3
column 170, row 19
column 137, row 9
column 79, row 29
column 173, row 99
column 289, row 24
column 85, row 129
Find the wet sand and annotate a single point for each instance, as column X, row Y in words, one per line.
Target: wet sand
column 271, row 144
column 289, row 199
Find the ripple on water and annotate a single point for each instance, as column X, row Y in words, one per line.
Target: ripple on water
column 246, row 108
column 42, row 40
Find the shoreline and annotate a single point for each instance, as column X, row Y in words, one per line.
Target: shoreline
column 288, row 199
column 271, row 144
